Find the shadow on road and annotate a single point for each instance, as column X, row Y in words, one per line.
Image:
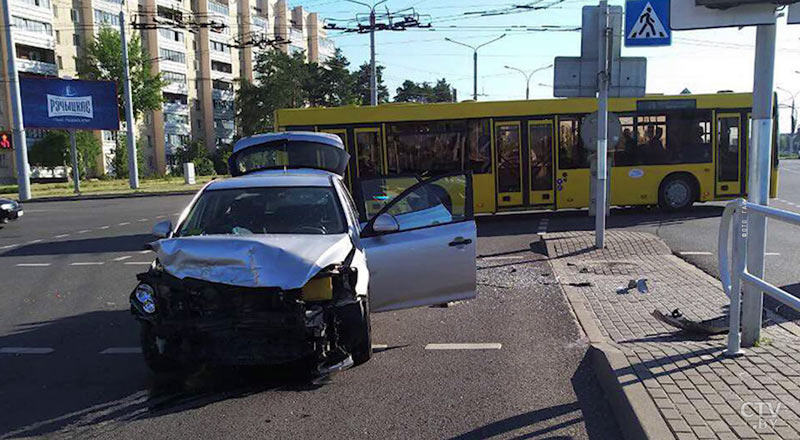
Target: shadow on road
column 78, row 392
column 119, row 243
column 587, row 410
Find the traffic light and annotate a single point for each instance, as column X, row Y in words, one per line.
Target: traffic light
column 5, row 141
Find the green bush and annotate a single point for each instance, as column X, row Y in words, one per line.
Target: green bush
column 203, row 166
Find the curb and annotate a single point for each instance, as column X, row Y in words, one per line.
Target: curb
column 636, row 412
column 109, row 196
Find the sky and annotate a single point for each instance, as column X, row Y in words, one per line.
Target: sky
column 704, row 61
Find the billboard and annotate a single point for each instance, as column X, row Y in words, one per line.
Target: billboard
column 69, row 104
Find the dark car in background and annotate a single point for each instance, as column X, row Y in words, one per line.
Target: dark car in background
column 9, row 210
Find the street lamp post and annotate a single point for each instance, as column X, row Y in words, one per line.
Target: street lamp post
column 373, row 73
column 474, row 61
column 528, row 77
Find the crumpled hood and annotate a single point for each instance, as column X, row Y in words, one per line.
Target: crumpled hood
column 285, row 261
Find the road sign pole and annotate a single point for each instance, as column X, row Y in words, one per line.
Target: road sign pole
column 759, row 178
column 133, row 169
column 602, row 126
column 23, row 174
column 76, row 176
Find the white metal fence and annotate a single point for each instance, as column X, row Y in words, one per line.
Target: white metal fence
column 733, row 271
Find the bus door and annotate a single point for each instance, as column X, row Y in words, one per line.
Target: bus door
column 572, row 165
column 508, row 160
column 342, row 133
column 540, row 159
column 729, row 168
column 368, row 152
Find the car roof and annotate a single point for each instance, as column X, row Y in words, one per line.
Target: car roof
column 302, row 136
column 268, row 178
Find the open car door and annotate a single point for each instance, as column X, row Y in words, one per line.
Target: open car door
column 421, row 246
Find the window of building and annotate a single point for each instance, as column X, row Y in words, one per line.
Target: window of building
column 221, row 85
column 60, row 62
column 571, row 152
column 29, row 25
column 58, row 37
column 106, row 18
column 172, row 55
column 175, row 98
column 35, row 54
column 169, row 14
column 76, row 40
column 171, row 35
column 109, row 136
column 55, row 11
column 38, row 3
column 221, row 67
column 174, row 118
column 75, row 15
column 220, row 47
column 173, row 77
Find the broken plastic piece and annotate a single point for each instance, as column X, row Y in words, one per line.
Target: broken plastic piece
column 640, row 285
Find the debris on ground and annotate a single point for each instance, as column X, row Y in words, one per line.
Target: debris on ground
column 713, row 326
column 640, row 285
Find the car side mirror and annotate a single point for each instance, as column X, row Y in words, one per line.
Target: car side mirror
column 163, row 229
column 385, row 223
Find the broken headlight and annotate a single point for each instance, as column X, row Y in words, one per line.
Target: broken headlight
column 146, row 296
column 318, row 289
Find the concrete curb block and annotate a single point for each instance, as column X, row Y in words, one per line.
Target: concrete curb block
column 635, row 411
column 110, row 196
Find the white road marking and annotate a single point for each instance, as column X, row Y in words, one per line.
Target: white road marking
column 8, row 246
column 695, row 253
column 104, row 227
column 146, row 251
column 88, row 263
column 143, row 220
column 474, row 346
column 161, row 216
column 504, row 257
column 25, row 350
column 34, row 241
column 84, row 231
column 61, row 236
column 379, row 347
column 33, row 264
column 138, row 263
column 122, row 258
column 122, row 350
column 177, row 213
column 543, row 225
column 125, row 223
column 772, row 254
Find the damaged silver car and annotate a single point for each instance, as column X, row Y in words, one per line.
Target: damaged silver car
column 276, row 266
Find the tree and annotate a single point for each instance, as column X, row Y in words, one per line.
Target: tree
column 102, row 60
column 196, row 153
column 423, row 92
column 119, row 163
column 54, row 150
column 362, row 84
column 341, row 84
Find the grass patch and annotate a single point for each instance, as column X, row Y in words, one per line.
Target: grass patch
column 107, row 187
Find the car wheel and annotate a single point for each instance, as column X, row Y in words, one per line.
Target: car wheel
column 156, row 361
column 362, row 349
column 676, row 193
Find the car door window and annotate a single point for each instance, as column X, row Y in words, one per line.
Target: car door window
column 375, row 193
column 439, row 201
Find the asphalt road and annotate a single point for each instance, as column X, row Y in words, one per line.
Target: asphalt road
column 69, row 365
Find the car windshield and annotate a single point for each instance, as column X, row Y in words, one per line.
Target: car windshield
column 271, row 210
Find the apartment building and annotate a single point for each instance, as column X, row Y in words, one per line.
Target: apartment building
column 201, row 64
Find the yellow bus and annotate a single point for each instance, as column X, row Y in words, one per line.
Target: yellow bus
column 524, row 155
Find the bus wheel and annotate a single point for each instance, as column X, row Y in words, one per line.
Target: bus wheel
column 676, row 193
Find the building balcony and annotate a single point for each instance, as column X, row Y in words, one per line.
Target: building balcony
column 38, row 67
column 177, row 128
column 296, row 36
column 225, row 95
column 176, row 87
column 34, row 39
column 220, row 56
column 180, row 109
column 224, row 76
column 36, row 10
column 218, row 8
column 172, row 4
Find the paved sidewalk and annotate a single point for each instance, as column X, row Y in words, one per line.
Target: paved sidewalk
column 697, row 391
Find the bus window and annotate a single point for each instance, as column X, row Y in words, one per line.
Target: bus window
column 651, row 136
column 368, row 148
column 479, row 146
column 541, row 156
column 434, row 147
column 508, row 162
column 625, row 150
column 571, row 152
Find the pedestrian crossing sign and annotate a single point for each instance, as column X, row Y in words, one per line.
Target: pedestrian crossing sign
column 647, row 23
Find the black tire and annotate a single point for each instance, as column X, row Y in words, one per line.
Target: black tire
column 676, row 193
column 362, row 349
column 157, row 362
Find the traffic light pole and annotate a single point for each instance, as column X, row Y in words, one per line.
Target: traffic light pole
column 602, row 127
column 23, row 175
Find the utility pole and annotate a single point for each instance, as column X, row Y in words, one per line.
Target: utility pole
column 133, row 169
column 528, row 77
column 602, row 126
column 409, row 18
column 76, row 174
column 474, row 61
column 759, row 179
column 23, row 176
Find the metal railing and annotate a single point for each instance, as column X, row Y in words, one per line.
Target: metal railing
column 733, row 272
